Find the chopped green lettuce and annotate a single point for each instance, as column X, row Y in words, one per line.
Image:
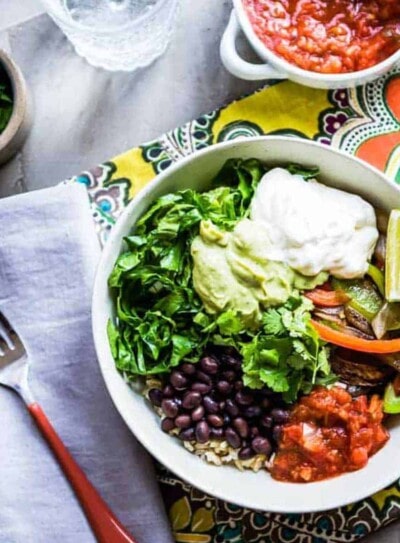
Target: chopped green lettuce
column 159, row 314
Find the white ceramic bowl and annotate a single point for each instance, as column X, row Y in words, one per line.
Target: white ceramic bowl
column 276, row 67
column 254, row 490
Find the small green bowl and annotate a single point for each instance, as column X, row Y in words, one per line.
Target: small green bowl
column 15, row 133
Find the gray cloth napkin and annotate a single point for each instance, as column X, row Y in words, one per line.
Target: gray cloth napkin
column 48, row 255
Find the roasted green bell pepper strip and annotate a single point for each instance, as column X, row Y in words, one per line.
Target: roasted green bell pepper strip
column 391, row 402
column 364, row 298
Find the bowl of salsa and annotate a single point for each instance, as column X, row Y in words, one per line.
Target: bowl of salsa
column 318, row 43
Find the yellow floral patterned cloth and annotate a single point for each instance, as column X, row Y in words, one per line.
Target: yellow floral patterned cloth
column 364, row 122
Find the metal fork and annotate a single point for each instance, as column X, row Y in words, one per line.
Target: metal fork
column 14, row 369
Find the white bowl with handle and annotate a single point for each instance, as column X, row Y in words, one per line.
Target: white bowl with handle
column 276, row 68
column 250, row 489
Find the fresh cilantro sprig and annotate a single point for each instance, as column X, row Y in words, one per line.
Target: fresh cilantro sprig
column 286, row 354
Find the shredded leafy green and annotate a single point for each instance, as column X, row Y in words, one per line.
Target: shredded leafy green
column 157, row 308
column 160, row 318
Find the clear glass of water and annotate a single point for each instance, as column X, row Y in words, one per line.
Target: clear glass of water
column 116, row 34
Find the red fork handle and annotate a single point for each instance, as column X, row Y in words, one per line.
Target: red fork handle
column 104, row 524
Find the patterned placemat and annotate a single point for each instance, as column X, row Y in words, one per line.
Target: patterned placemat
column 364, row 122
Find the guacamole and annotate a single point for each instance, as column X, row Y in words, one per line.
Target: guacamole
column 231, row 271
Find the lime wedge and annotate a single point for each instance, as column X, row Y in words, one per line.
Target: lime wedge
column 391, row 402
column 392, row 268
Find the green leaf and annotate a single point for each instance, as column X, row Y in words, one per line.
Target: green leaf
column 272, row 322
column 286, row 355
column 6, row 100
column 113, row 336
column 323, row 362
column 182, row 346
column 135, row 242
column 307, row 173
column 172, row 303
column 229, row 323
column 276, row 379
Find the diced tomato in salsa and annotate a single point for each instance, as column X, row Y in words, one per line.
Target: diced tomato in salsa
column 328, row 36
column 329, row 433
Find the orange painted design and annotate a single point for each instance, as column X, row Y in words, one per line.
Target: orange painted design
column 393, row 97
column 378, row 149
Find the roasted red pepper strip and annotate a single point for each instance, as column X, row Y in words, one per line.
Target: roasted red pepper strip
column 326, row 298
column 355, row 343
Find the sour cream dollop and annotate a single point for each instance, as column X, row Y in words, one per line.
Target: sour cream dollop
column 312, row 227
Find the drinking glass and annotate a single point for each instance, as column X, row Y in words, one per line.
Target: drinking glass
column 116, row 34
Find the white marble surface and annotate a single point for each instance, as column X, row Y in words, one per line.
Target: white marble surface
column 15, row 12
column 84, row 116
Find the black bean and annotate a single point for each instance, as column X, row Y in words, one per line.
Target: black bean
column 191, row 399
column 203, row 388
column 244, row 398
column 155, row 396
column 266, row 403
column 227, row 419
column 277, row 432
column 229, row 375
column 245, row 453
column 209, row 365
column 210, row 405
column 252, row 411
column 198, row 413
column 183, row 421
column 280, row 416
column 222, row 405
column 167, row 425
column 217, row 433
column 266, row 421
column 202, row 431
column 203, row 377
column 261, row 445
column 254, row 431
column 266, row 392
column 232, row 438
column 178, row 380
column 224, row 387
column 238, row 385
column 231, row 362
column 187, row 435
column 232, row 408
column 170, row 407
column 241, row 426
column 215, row 420
column 188, row 368
column 168, row 391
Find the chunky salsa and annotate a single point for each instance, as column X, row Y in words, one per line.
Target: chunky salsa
column 329, row 433
column 328, row 36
